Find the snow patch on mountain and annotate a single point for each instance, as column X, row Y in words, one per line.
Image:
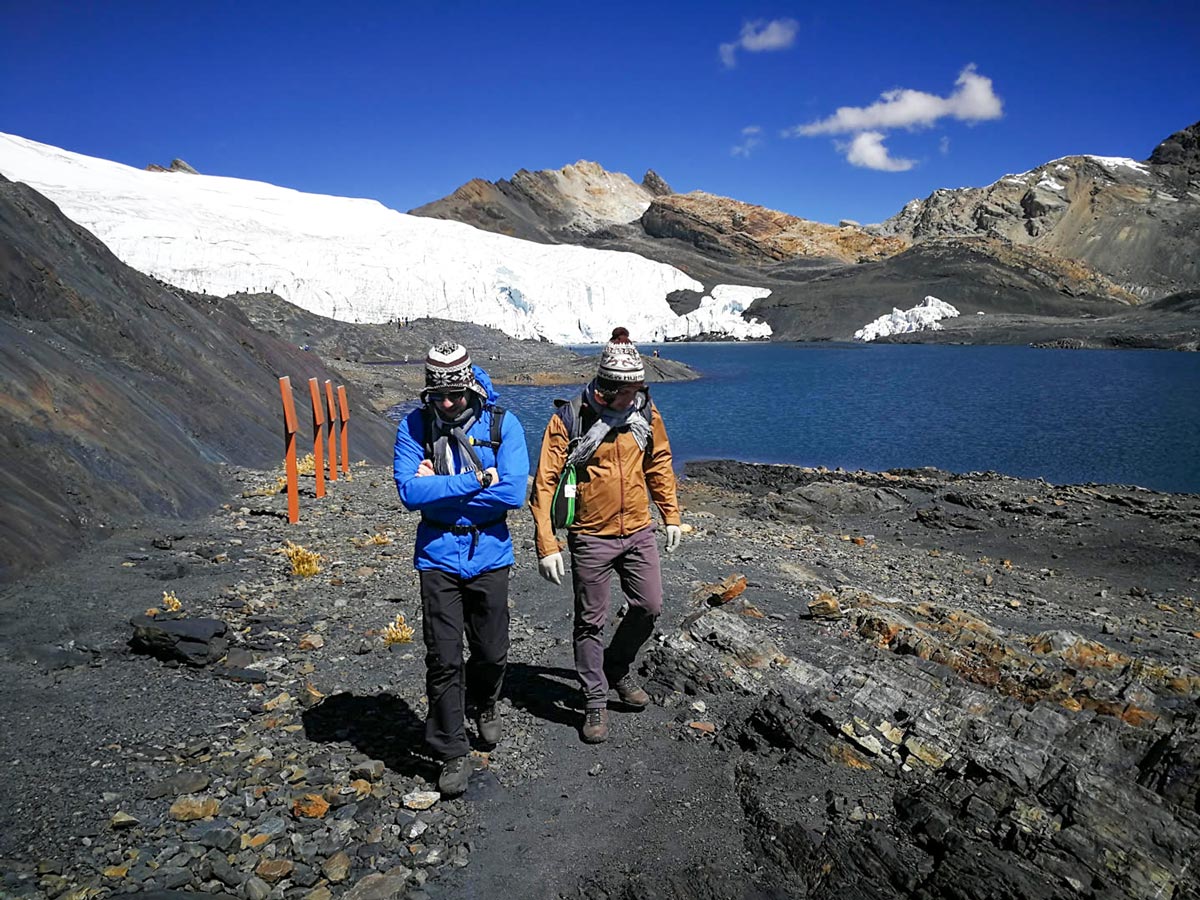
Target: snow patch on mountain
column 1120, row 162
column 925, row 316
column 351, row 259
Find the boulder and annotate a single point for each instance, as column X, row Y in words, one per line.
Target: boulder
column 195, row 642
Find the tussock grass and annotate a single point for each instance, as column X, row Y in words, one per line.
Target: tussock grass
column 378, row 539
column 305, row 563
column 398, row 632
column 170, row 603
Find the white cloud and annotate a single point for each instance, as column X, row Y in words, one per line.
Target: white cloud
column 972, row 101
column 866, row 150
column 750, row 140
column 758, row 37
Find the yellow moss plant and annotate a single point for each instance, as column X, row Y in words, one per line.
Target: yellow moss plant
column 398, row 632
column 307, row 465
column 305, row 563
column 170, row 603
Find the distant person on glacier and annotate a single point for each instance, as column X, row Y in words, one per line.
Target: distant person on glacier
column 462, row 462
column 608, row 446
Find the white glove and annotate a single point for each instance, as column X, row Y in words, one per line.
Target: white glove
column 551, row 568
column 674, row 533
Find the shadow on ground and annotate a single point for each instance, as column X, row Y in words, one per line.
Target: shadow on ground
column 550, row 693
column 382, row 726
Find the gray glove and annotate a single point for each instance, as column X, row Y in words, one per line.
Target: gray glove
column 551, row 568
column 674, row 534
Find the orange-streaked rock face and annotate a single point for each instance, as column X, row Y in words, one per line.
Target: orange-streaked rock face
column 754, row 233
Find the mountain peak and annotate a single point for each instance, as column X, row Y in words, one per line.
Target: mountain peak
column 177, row 165
column 548, row 205
column 654, row 183
column 1180, row 149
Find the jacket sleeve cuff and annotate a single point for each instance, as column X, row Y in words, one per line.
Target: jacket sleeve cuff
column 545, row 549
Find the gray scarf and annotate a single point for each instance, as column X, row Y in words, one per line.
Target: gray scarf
column 443, row 449
column 607, row 420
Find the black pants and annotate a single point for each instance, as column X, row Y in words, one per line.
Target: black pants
column 449, row 603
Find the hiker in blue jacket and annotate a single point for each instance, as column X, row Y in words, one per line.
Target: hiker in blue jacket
column 461, row 462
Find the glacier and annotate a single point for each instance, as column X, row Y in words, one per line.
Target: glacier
column 355, row 259
column 926, row 315
column 716, row 314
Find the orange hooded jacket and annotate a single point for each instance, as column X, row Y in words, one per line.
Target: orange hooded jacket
column 615, row 486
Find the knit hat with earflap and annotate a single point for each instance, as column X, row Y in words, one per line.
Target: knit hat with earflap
column 448, row 368
column 620, row 363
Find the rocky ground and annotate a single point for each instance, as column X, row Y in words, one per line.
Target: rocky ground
column 866, row 685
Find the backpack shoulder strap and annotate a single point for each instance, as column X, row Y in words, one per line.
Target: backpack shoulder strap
column 427, row 426
column 648, row 414
column 569, row 412
column 497, row 421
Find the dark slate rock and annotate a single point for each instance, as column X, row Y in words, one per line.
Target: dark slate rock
column 183, row 783
column 196, row 642
column 244, row 676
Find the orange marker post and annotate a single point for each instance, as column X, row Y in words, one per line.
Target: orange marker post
column 318, row 409
column 344, row 409
column 289, row 449
column 333, row 462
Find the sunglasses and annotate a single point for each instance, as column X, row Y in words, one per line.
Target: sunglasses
column 439, row 396
column 613, row 393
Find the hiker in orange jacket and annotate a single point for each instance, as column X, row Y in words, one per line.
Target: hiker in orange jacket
column 615, row 437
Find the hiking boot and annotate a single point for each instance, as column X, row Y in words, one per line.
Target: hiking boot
column 491, row 729
column 455, row 775
column 631, row 692
column 595, row 726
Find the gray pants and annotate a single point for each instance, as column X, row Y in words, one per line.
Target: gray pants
column 449, row 604
column 634, row 559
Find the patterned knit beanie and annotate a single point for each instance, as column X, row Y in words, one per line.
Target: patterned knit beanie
column 448, row 368
column 620, row 363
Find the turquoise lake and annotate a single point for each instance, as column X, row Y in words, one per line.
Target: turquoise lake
column 1068, row 416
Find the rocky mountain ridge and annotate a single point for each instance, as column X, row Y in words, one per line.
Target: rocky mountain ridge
column 1076, row 239
column 1134, row 222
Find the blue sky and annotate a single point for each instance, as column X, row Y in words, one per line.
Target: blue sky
column 405, row 101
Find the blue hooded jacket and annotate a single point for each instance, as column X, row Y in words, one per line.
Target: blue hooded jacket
column 458, row 500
